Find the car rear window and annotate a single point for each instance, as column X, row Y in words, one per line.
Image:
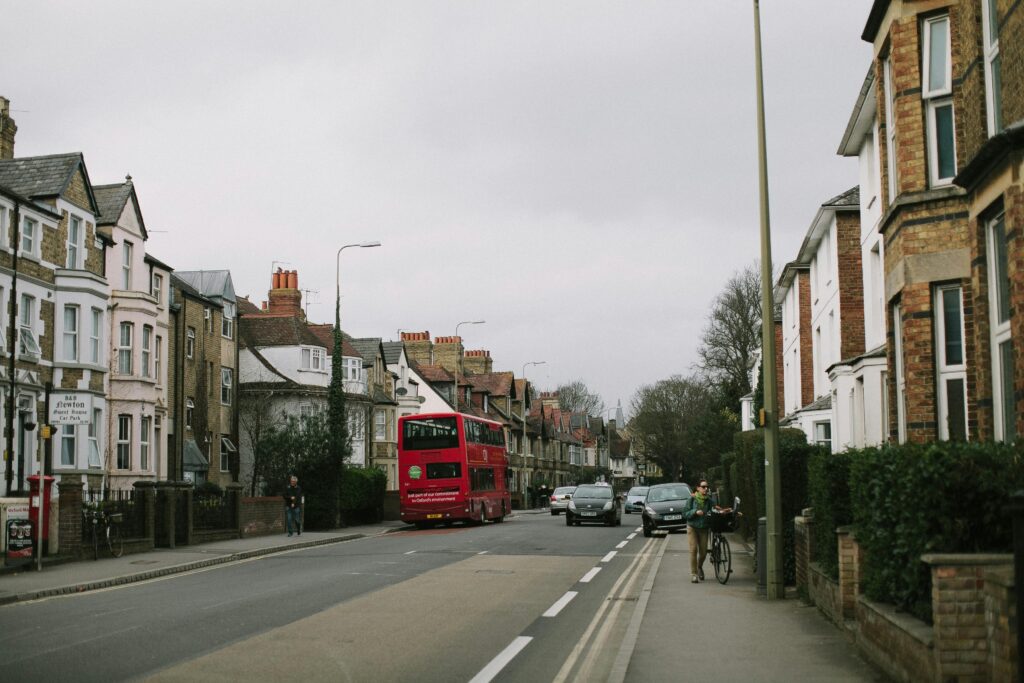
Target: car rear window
column 659, row 494
column 637, row 491
column 562, row 490
column 593, row 492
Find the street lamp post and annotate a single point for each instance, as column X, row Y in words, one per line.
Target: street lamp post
column 336, row 390
column 458, row 366
column 772, row 464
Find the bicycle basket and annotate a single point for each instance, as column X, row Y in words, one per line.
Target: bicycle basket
column 723, row 522
column 114, row 517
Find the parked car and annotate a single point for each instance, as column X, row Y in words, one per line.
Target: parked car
column 560, row 498
column 663, row 507
column 594, row 503
column 635, row 499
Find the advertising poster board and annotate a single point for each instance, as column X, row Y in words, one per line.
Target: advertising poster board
column 20, row 542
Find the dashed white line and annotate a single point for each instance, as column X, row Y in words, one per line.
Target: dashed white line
column 631, row 536
column 410, row 552
column 609, row 556
column 622, row 545
column 483, row 552
column 560, row 604
column 498, row 663
column 638, row 529
column 590, row 575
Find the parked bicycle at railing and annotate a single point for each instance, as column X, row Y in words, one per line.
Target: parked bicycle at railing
column 106, row 531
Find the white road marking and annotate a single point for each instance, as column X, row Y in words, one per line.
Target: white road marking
column 638, row 529
column 622, row 545
column 498, row 663
column 590, row 575
column 560, row 604
column 609, row 556
column 631, row 536
column 410, row 552
column 483, row 552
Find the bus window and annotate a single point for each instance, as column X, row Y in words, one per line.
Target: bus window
column 430, row 434
column 481, row 478
column 444, row 470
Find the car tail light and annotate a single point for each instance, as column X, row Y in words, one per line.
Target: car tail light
column 554, row 499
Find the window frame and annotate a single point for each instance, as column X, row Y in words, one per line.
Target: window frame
column 190, row 407
column 93, row 438
column 227, row 320
column 67, row 438
column 147, row 349
column 158, row 358
column 95, row 335
column 127, row 254
column 226, row 385
column 31, row 236
column 28, row 345
column 69, row 337
column 946, row 371
column 993, row 67
column 190, row 343
column 123, row 447
column 156, row 288
column 145, row 428
column 890, row 128
column 125, row 355
column 937, row 98
column 74, row 242
column 901, row 378
column 1000, row 331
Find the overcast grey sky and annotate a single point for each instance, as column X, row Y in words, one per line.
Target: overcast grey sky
column 582, row 175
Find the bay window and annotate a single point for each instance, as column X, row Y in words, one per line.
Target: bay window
column 1001, row 341
column 937, row 93
column 950, row 362
column 993, row 72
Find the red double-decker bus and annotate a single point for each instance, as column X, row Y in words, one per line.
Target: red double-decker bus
column 451, row 466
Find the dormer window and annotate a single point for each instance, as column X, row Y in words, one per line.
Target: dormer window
column 29, row 236
column 126, row 265
column 74, row 242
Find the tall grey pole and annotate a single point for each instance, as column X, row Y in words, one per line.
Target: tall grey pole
column 772, row 463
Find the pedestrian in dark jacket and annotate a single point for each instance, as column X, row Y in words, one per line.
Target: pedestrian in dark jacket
column 293, row 506
column 698, row 521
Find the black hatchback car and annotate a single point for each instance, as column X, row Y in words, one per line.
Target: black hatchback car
column 594, row 503
column 663, row 508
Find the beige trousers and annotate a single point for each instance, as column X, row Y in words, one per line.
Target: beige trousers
column 698, row 547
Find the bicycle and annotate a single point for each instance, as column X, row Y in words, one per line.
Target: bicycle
column 722, row 522
column 106, row 529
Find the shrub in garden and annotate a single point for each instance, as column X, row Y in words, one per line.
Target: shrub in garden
column 828, row 490
column 362, row 493
column 911, row 499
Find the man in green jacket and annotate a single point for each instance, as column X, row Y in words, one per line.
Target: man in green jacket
column 698, row 521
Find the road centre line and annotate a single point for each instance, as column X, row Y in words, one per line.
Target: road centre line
column 621, row 545
column 409, row 552
column 495, row 666
column 631, row 536
column 590, row 575
column 609, row 556
column 560, row 604
column 483, row 552
column 638, row 530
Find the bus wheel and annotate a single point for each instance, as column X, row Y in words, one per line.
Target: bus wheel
column 500, row 518
column 483, row 515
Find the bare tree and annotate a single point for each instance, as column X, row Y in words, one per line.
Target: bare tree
column 733, row 334
column 677, row 423
column 255, row 419
column 575, row 397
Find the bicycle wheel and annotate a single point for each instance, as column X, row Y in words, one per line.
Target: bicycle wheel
column 715, row 553
column 724, row 561
column 95, row 541
column 114, row 541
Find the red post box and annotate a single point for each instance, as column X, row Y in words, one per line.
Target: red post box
column 34, row 502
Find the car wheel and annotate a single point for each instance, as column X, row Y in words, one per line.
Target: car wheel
column 568, row 519
column 647, row 531
column 554, row 513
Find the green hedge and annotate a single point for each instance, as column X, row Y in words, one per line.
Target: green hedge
column 828, row 490
column 746, row 480
column 913, row 499
column 362, row 493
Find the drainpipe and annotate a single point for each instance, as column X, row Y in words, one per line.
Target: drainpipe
column 11, row 332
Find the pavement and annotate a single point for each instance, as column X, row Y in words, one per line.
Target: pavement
column 737, row 633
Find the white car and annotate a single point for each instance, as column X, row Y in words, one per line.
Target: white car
column 560, row 498
column 635, row 499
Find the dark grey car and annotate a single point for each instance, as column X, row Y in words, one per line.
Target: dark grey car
column 594, row 503
column 663, row 507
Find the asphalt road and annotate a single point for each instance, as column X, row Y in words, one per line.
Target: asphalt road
column 526, row 600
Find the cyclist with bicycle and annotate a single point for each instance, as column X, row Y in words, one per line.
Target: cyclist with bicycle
column 697, row 515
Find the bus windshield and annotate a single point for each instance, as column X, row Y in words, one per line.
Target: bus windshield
column 430, row 434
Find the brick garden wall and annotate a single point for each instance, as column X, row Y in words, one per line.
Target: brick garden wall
column 262, row 516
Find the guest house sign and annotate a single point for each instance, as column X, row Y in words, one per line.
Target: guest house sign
column 70, row 408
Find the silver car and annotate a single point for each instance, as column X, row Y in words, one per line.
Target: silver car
column 560, row 498
column 635, row 499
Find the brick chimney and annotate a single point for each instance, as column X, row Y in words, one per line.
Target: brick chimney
column 447, row 351
column 477, row 361
column 8, row 129
column 285, row 299
column 418, row 347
